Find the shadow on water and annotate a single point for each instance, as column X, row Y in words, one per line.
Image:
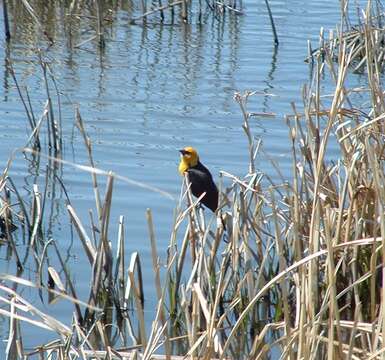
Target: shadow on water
column 270, row 79
column 7, row 75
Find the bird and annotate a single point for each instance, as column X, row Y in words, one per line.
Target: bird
column 200, row 178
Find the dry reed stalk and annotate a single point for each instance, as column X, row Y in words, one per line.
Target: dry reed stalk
column 155, row 264
column 159, row 9
column 144, row 9
column 27, row 109
column 137, row 293
column 6, row 21
column 12, row 350
column 184, row 10
column 52, row 124
column 36, row 20
column 99, row 16
column 120, row 252
column 292, row 266
column 88, row 144
column 88, row 247
column 275, row 36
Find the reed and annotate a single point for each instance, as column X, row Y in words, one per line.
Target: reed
column 101, row 13
column 273, row 28
column 6, row 21
column 354, row 37
column 294, row 268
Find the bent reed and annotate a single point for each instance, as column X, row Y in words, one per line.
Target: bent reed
column 290, row 270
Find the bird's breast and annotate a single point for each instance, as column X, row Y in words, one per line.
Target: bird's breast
column 183, row 167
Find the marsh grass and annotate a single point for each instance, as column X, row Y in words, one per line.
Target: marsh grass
column 289, row 270
column 354, row 37
column 48, row 19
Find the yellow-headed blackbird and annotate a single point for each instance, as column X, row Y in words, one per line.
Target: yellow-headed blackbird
column 200, row 178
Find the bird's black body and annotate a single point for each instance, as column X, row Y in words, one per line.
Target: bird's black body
column 202, row 181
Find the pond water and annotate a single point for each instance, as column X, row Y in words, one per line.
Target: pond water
column 151, row 91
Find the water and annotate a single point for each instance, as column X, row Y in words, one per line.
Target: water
column 151, row 91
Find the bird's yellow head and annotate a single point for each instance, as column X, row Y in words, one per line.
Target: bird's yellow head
column 189, row 158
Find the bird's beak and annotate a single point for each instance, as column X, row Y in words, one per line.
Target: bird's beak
column 183, row 152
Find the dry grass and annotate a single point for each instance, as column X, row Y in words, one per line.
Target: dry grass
column 353, row 37
column 48, row 18
column 295, row 269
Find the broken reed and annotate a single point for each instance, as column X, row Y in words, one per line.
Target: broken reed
column 293, row 267
column 354, row 38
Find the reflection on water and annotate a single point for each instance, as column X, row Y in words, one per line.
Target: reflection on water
column 150, row 91
column 270, row 80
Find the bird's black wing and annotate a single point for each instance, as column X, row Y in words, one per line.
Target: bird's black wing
column 202, row 181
